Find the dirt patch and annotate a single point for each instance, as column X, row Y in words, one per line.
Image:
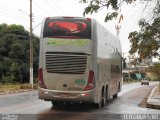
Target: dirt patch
column 144, row 101
column 157, row 91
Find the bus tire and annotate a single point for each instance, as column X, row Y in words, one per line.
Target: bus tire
column 103, row 99
column 98, row 105
column 106, row 93
column 115, row 95
column 103, row 102
column 119, row 87
column 54, row 103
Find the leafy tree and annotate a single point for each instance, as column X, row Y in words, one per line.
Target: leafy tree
column 14, row 54
column 97, row 5
column 145, row 42
column 155, row 69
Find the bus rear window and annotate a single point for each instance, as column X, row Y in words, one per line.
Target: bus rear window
column 67, row 28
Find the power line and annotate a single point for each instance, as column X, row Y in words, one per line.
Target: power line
column 8, row 7
column 40, row 8
column 37, row 26
column 48, row 4
column 6, row 17
column 54, row 6
column 57, row 5
column 24, row 13
column 11, row 11
column 8, row 11
column 33, row 20
column 9, row 14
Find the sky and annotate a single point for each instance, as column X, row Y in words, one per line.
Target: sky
column 17, row 12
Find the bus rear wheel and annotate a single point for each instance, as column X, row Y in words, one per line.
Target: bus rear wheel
column 55, row 103
column 98, row 105
column 115, row 95
column 103, row 99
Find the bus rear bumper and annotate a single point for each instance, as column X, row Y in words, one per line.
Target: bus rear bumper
column 69, row 96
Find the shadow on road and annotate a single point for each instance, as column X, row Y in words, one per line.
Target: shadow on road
column 80, row 107
column 77, row 107
column 77, row 111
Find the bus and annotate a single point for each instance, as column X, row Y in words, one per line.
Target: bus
column 79, row 61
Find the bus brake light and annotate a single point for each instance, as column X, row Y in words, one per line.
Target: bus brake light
column 40, row 78
column 90, row 84
column 89, row 19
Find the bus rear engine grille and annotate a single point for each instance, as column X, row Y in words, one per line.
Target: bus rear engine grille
column 66, row 63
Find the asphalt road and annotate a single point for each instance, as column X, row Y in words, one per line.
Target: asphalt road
column 29, row 107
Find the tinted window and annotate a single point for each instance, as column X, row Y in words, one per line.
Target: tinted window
column 67, row 27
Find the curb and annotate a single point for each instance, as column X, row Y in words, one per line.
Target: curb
column 152, row 101
column 17, row 91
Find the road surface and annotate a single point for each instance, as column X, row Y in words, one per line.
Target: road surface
column 28, row 105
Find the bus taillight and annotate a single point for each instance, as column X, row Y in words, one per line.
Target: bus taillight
column 89, row 19
column 47, row 18
column 90, row 84
column 40, row 78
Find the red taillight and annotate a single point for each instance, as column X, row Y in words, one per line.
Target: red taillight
column 89, row 19
column 40, row 78
column 90, row 84
column 47, row 18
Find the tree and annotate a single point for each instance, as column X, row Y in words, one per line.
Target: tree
column 155, row 69
column 14, row 54
column 146, row 42
column 97, row 5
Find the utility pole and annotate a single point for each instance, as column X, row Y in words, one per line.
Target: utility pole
column 31, row 47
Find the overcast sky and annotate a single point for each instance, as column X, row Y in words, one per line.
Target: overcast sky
column 17, row 12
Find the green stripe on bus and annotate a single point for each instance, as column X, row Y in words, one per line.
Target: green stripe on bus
column 74, row 42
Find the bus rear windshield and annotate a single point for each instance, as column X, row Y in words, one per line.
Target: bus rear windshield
column 67, row 28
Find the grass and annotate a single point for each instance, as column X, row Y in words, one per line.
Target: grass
column 10, row 88
column 130, row 81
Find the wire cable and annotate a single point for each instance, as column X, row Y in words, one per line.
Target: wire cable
column 41, row 8
column 52, row 7
column 56, row 7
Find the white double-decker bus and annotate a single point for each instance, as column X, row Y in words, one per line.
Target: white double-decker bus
column 79, row 61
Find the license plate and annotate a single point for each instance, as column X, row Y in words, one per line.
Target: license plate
column 64, row 94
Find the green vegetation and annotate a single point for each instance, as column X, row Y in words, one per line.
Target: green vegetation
column 155, row 70
column 94, row 6
column 11, row 88
column 145, row 42
column 14, row 54
column 129, row 80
